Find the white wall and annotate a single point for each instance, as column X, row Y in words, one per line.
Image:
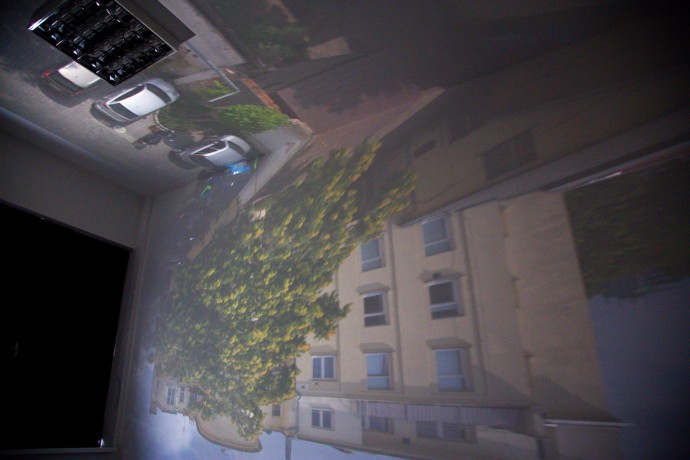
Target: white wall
column 34, row 179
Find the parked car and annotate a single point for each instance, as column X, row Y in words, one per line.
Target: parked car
column 70, row 79
column 131, row 104
column 214, row 152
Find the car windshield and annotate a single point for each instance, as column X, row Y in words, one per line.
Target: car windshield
column 236, row 147
column 122, row 110
column 202, row 161
column 159, row 92
column 129, row 94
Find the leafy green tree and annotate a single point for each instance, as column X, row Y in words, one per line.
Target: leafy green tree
column 251, row 118
column 634, row 224
column 241, row 313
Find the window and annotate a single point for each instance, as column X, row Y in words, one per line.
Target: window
column 426, row 429
column 322, row 418
column 380, row 424
column 443, row 298
column 372, row 255
column 375, row 309
column 510, row 155
column 446, row 431
column 171, row 396
column 436, row 238
column 275, row 410
column 378, row 371
column 181, row 394
column 323, row 367
column 451, row 369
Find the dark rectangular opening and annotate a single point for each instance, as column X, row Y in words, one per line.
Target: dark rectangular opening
column 62, row 291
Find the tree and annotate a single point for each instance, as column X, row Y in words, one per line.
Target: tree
column 240, row 314
column 249, row 118
column 634, row 224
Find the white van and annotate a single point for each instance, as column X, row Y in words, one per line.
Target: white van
column 69, row 79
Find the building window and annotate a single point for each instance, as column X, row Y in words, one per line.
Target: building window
column 322, row 418
column 443, row 297
column 375, row 309
column 446, row 431
column 275, row 410
column 181, row 394
column 372, row 255
column 323, row 367
column 171, row 396
column 436, row 236
column 426, row 429
column 380, row 424
column 378, row 371
column 509, row 156
column 452, row 369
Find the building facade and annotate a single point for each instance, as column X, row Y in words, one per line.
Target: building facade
column 469, row 334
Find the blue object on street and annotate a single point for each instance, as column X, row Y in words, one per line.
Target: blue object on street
column 240, row 168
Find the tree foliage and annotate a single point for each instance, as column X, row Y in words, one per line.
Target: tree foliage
column 241, row 313
column 633, row 225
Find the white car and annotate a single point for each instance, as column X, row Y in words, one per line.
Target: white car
column 213, row 152
column 134, row 103
column 70, row 79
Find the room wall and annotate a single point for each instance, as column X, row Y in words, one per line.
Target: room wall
column 34, row 179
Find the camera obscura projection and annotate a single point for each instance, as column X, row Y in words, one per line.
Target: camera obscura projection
column 241, row 312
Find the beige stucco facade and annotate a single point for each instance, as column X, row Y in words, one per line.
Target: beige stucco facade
column 521, row 319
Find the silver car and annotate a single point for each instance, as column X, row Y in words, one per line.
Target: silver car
column 213, row 152
column 69, row 79
column 133, row 103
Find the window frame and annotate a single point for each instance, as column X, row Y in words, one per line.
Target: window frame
column 388, row 371
column 321, row 411
column 442, row 428
column 463, row 362
column 438, row 310
column 384, row 308
column 380, row 259
column 273, row 410
column 321, row 359
column 171, row 397
column 387, row 425
column 441, row 245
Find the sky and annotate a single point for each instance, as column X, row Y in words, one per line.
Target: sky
column 644, row 353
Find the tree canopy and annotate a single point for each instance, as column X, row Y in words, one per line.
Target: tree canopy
column 242, row 311
column 633, row 225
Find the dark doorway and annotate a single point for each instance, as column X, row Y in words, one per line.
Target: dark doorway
column 61, row 294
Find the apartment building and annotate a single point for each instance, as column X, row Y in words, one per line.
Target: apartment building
column 469, row 322
column 469, row 334
column 469, row 329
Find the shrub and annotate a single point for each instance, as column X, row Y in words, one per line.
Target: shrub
column 248, row 119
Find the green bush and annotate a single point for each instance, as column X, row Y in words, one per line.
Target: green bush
column 249, row 119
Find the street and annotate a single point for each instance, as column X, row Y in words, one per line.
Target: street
column 104, row 147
